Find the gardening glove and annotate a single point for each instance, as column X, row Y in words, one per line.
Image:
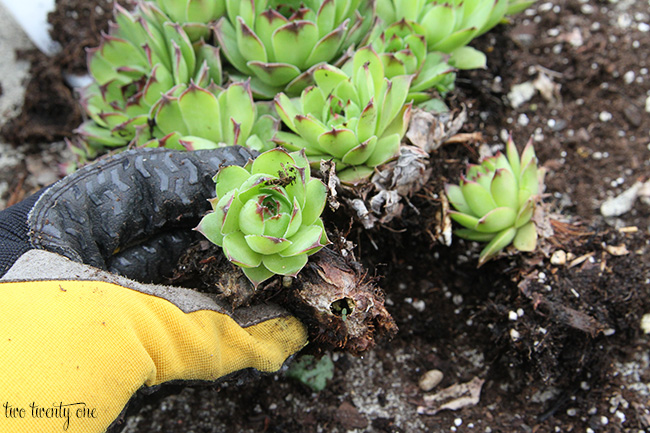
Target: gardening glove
column 77, row 341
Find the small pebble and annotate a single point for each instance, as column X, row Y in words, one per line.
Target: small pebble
column 430, row 380
column 558, row 258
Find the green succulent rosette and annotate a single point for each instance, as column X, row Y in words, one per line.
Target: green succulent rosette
column 277, row 42
column 266, row 215
column 191, row 117
column 357, row 120
column 193, row 15
column 451, row 24
column 495, row 201
column 402, row 47
column 144, row 56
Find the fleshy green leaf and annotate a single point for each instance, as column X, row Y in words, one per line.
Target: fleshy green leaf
column 230, row 178
column 504, row 189
column 267, row 244
column 526, row 238
column 478, row 198
column 285, row 265
column 257, row 275
column 497, row 244
column 316, row 196
column 496, row 220
column 210, row 227
column 457, row 200
column 237, row 250
column 386, row 149
column 306, row 239
column 273, row 162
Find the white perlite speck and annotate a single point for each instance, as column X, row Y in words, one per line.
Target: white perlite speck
column 645, row 323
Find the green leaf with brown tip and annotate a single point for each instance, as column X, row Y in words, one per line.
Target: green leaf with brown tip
column 237, row 250
column 248, row 43
column 360, row 154
column 306, row 239
column 328, row 47
column 439, row 23
column 227, row 37
column 310, row 128
column 355, row 175
column 293, row 42
column 513, row 155
column 267, row 244
column 273, row 162
column 228, row 209
column 337, row 142
column 210, row 227
column 465, row 58
column 230, row 178
column 327, row 77
column 274, row 74
column 387, row 148
column 496, row 220
column 257, row 275
column 504, row 189
column 285, row 265
column 525, row 212
column 496, row 245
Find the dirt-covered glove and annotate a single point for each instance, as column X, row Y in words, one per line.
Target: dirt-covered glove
column 77, row 341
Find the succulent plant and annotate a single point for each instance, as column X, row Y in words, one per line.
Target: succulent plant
column 266, row 215
column 402, row 47
column 277, row 42
column 143, row 56
column 193, row 15
column 191, row 117
column 495, row 201
column 357, row 120
column 451, row 24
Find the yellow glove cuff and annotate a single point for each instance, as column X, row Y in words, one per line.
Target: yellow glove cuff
column 90, row 345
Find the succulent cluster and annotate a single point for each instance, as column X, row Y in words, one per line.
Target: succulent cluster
column 340, row 76
column 168, row 50
column 495, row 201
column 266, row 215
column 277, row 42
column 357, row 120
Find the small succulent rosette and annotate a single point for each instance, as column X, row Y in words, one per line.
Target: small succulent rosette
column 451, row 25
column 193, row 15
column 402, row 47
column 266, row 215
column 356, row 119
column 277, row 42
column 144, row 56
column 193, row 118
column 495, row 201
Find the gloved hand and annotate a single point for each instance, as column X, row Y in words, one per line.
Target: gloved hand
column 77, row 341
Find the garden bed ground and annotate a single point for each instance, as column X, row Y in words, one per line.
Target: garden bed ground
column 559, row 346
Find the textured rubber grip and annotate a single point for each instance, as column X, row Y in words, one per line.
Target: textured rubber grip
column 109, row 206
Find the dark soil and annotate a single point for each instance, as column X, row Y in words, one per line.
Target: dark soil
column 559, row 346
